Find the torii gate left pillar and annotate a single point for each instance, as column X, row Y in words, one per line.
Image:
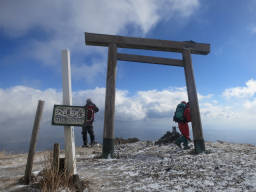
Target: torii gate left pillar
column 186, row 48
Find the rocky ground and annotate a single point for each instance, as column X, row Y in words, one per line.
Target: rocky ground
column 145, row 166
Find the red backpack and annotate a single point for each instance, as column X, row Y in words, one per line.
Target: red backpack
column 89, row 113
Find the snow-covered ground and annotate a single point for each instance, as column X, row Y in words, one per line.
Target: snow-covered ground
column 143, row 166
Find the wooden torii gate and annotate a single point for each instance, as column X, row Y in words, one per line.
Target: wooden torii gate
column 186, row 48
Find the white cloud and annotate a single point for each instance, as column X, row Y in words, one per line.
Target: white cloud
column 61, row 24
column 184, row 8
column 213, row 111
column 237, row 111
column 144, row 109
column 241, row 92
column 18, row 18
column 21, row 101
column 89, row 72
column 162, row 101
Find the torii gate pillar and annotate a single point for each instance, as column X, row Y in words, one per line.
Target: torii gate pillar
column 193, row 101
column 108, row 135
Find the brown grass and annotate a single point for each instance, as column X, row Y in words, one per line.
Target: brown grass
column 51, row 179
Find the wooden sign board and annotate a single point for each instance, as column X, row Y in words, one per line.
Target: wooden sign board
column 68, row 115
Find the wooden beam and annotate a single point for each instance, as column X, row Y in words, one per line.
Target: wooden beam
column 149, row 59
column 108, row 137
column 145, row 43
column 193, row 100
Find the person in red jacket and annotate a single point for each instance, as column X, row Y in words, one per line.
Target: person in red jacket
column 184, row 128
column 90, row 109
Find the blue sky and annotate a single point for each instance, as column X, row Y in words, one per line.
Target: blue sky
column 33, row 33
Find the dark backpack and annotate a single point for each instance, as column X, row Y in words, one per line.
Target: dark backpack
column 179, row 113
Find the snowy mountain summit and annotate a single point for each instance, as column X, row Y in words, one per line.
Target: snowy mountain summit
column 145, row 166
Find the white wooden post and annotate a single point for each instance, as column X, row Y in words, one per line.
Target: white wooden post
column 70, row 161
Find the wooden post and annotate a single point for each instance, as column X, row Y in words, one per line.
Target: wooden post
column 62, row 165
column 108, row 135
column 70, row 161
column 56, row 155
column 193, row 100
column 32, row 147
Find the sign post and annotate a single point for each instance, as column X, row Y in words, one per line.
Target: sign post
column 70, row 159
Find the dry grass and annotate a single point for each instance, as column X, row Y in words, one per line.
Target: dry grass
column 51, row 179
column 48, row 179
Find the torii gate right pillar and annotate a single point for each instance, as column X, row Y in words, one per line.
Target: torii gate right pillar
column 193, row 101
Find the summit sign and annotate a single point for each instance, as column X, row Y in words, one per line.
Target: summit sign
column 68, row 115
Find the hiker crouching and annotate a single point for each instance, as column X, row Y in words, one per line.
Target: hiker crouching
column 182, row 117
column 90, row 110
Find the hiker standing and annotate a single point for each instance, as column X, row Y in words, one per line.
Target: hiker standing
column 182, row 116
column 90, row 109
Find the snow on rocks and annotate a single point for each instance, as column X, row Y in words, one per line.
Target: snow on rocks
column 143, row 166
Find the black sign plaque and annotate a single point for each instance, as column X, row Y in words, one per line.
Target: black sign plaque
column 68, row 115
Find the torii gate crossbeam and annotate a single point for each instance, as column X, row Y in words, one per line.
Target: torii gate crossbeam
column 186, row 48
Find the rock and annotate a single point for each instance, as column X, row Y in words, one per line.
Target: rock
column 169, row 137
column 120, row 140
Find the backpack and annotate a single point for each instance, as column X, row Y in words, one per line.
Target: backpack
column 89, row 113
column 179, row 113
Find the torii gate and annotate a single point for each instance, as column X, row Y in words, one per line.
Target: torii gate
column 186, row 48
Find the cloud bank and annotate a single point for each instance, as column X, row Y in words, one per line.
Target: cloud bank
column 140, row 113
column 242, row 92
